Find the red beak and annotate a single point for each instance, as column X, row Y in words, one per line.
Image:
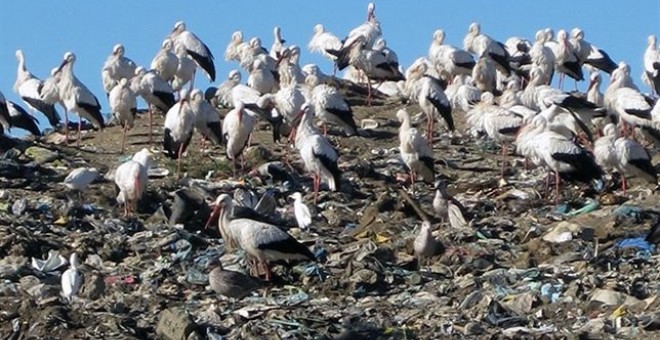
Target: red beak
column 214, row 215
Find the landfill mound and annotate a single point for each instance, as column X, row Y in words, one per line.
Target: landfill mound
column 523, row 267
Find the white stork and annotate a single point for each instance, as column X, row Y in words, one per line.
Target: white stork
column 265, row 242
column 415, row 151
column 71, row 279
column 178, row 129
column 323, row 41
column 450, row 60
column 195, row 48
column 116, row 67
column 261, row 78
column 593, row 91
column 431, row 97
column 165, row 63
column 589, row 54
column 185, row 72
column 4, row 113
column 625, row 155
column 331, row 106
column 21, row 119
column 207, row 119
column 131, row 179
column 223, row 93
column 77, row 97
column 27, row 87
column 369, row 31
column 154, row 90
column 652, row 64
column 566, row 61
column 318, row 155
column 123, row 105
column 301, row 211
column 236, row 44
column 236, row 128
column 484, row 46
column 278, row 43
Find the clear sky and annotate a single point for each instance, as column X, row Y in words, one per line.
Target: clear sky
column 46, row 29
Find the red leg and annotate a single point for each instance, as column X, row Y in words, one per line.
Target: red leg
column 368, row 92
column 79, row 128
column 556, row 187
column 412, row 179
column 547, row 185
column 624, row 184
column 267, row 270
column 151, row 119
column 317, row 184
column 178, row 162
column 66, row 126
column 325, row 129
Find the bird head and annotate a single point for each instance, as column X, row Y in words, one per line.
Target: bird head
column 219, row 205
column 179, row 27
column 371, row 8
column 234, row 75
column 19, row 54
column 402, row 115
column 69, row 58
column 118, row 50
column 296, row 196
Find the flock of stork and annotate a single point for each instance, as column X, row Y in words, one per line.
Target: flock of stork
column 503, row 89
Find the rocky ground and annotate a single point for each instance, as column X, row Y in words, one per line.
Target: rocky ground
column 526, row 267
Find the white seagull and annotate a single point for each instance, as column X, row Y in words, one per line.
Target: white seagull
column 301, row 211
column 80, row 178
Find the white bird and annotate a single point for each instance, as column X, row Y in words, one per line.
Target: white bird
column 563, row 156
column 301, row 211
column 625, row 155
column 116, row 67
column 195, row 48
column 288, row 102
column 447, row 208
column 323, row 41
column 223, row 93
column 593, row 91
column 331, row 106
column 236, row 44
column 566, row 61
column 369, row 31
column 155, row 91
column 589, row 54
column 431, row 98
column 450, row 60
column 80, row 178
column 632, row 108
column 278, row 42
column 131, row 180
column 123, row 105
column 415, row 150
column 318, row 155
column 261, row 78
column 542, row 57
column 652, row 64
column 236, row 128
column 207, row 119
column 374, row 64
column 242, row 228
column 178, row 129
column 165, row 63
column 484, row 74
column 21, row 119
column 289, row 68
column 71, row 279
column 482, row 45
column 27, row 87
column 185, row 72
column 425, row 245
column 77, row 97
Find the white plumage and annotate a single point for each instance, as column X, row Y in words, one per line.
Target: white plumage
column 590, row 55
column 318, row 155
column 77, row 97
column 322, row 41
column 194, row 47
column 431, row 98
column 484, row 46
column 116, row 67
column 153, row 89
column 123, row 106
column 178, row 129
column 425, row 245
column 236, row 128
column 370, row 30
column 207, row 119
column 415, row 151
column 27, row 87
column 263, row 241
column 278, row 43
column 71, row 279
column 301, row 211
column 261, row 78
column 235, row 45
column 652, row 64
column 223, row 93
column 185, row 71
column 450, row 60
column 80, row 178
column 165, row 63
column 131, row 180
column 331, row 106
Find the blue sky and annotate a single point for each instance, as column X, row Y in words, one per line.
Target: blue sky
column 44, row 30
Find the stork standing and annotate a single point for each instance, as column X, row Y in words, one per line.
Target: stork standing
column 178, row 129
column 207, row 119
column 318, row 155
column 625, row 155
column 77, row 97
column 185, row 72
column 431, row 98
column 155, row 91
column 261, row 78
column 223, row 93
column 278, row 43
column 116, row 67
column 27, row 87
column 263, row 241
column 71, row 279
column 237, row 127
column 123, row 105
column 165, row 63
column 331, row 106
column 484, row 46
column 301, row 211
column 195, row 48
column 323, row 41
column 450, row 60
column 131, row 180
column 415, row 151
column 589, row 54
